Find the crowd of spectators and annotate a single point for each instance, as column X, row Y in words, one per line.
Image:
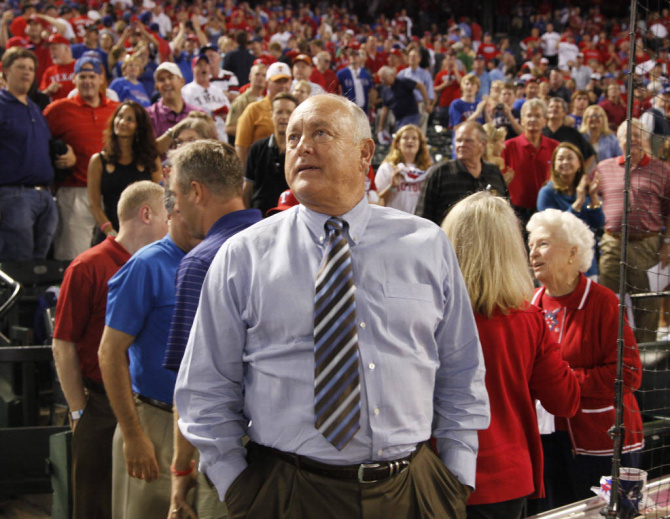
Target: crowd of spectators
column 95, row 96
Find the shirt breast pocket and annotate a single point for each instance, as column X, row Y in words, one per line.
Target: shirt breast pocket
column 411, row 313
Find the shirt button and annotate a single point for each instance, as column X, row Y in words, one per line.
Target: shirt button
column 376, row 411
column 379, row 452
column 363, row 325
column 371, row 365
column 321, row 238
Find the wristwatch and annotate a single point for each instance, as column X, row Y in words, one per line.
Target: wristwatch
column 76, row 415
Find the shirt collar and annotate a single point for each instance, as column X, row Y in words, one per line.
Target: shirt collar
column 357, row 220
column 78, row 100
column 645, row 160
column 234, row 219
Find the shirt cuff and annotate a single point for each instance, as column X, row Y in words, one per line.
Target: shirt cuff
column 224, row 472
column 461, row 462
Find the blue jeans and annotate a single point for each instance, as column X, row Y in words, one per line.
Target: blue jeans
column 410, row 119
column 28, row 220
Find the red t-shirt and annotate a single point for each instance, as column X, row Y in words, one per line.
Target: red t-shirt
column 63, row 74
column 531, row 168
column 82, row 302
column 450, row 92
column 373, row 64
column 81, row 126
column 488, row 51
column 79, row 25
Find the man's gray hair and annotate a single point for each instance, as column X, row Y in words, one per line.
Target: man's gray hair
column 387, row 71
column 213, row 164
column 621, row 133
column 534, row 103
column 481, row 132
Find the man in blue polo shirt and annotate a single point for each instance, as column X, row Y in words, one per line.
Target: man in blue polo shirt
column 206, row 179
column 140, row 302
column 28, row 214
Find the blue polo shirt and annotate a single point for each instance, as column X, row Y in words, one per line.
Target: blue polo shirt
column 24, row 143
column 191, row 276
column 140, row 302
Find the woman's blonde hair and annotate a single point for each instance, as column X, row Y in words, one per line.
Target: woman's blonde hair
column 493, row 135
column 604, row 123
column 422, row 161
column 486, row 236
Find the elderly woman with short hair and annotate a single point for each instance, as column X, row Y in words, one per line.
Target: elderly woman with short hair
column 582, row 316
column 522, row 361
column 596, row 130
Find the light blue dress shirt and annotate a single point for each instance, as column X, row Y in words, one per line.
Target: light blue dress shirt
column 250, row 355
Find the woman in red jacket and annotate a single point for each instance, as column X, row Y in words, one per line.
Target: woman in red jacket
column 522, row 361
column 583, row 317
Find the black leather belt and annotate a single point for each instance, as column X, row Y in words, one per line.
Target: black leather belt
column 363, row 473
column 156, row 403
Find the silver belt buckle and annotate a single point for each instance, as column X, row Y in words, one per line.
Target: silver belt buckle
column 361, row 471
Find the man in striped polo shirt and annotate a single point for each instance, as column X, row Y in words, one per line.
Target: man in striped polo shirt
column 649, row 212
column 207, row 182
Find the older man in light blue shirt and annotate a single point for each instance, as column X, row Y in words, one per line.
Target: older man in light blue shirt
column 420, row 75
column 249, row 363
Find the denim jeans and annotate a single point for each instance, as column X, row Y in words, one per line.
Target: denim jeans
column 28, row 221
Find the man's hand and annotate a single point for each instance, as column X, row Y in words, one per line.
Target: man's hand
column 52, row 88
column 181, row 486
column 66, row 160
column 140, row 457
column 7, row 17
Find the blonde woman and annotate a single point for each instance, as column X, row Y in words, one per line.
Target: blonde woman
column 401, row 176
column 522, row 362
column 494, row 148
column 596, row 130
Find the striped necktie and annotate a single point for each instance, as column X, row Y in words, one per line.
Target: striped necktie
column 337, row 405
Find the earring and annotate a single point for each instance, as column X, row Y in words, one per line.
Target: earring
column 570, row 261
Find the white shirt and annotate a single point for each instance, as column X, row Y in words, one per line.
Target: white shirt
column 566, row 52
column 407, row 194
column 549, row 42
column 210, row 99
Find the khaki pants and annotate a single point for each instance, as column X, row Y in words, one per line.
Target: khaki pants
column 271, row 488
column 135, row 498
column 75, row 225
column 642, row 255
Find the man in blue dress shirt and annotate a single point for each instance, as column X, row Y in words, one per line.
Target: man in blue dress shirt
column 249, row 366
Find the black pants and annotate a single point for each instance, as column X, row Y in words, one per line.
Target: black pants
column 92, row 460
column 512, row 509
column 568, row 478
column 273, row 488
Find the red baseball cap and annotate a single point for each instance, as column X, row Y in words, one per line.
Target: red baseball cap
column 286, row 201
column 58, row 38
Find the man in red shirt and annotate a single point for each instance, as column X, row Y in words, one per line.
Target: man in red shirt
column 448, row 85
column 80, row 320
column 58, row 79
column 376, row 59
column 323, row 61
column 614, row 106
column 80, row 122
column 529, row 156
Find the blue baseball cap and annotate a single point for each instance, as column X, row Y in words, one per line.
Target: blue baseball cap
column 95, row 64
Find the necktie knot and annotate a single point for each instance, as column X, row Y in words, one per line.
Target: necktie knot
column 335, row 224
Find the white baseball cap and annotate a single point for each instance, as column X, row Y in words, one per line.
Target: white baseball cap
column 170, row 67
column 278, row 70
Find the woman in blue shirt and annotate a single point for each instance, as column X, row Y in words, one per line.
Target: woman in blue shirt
column 571, row 190
column 596, row 130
